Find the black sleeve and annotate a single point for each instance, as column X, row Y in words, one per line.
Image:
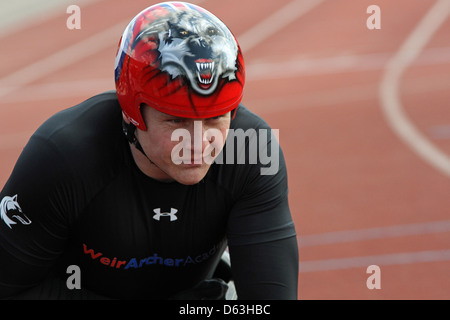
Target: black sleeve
column 262, row 236
column 266, row 271
column 33, row 229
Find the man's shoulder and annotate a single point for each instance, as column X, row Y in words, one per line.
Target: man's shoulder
column 83, row 117
column 87, row 132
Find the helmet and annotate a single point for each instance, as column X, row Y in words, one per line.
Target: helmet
column 181, row 60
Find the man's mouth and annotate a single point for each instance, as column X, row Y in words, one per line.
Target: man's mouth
column 205, row 72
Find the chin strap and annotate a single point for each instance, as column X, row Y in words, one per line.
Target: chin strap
column 129, row 130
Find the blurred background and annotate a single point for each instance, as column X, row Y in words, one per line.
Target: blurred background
column 360, row 98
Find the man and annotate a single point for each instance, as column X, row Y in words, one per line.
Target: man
column 137, row 189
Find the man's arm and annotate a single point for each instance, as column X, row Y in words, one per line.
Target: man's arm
column 33, row 230
column 266, row 271
column 262, row 237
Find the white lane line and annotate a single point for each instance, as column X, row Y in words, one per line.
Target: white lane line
column 61, row 90
column 61, row 59
column 374, row 233
column 274, row 23
column 380, row 260
column 389, row 88
column 305, row 66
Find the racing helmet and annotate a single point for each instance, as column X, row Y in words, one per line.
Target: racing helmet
column 181, row 60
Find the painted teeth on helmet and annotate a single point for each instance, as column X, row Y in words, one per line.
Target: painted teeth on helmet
column 205, row 66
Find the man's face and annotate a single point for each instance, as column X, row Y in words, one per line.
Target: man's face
column 192, row 143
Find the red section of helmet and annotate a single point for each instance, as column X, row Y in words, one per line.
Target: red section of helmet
column 142, row 81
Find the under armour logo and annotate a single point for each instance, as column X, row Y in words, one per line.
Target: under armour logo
column 159, row 214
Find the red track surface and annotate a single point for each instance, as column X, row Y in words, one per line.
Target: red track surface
column 359, row 195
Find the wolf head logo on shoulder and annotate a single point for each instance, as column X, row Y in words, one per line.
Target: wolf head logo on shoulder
column 10, row 212
column 177, row 54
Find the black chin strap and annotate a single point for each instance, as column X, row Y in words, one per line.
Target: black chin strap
column 129, row 130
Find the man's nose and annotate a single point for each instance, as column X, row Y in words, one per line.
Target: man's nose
column 198, row 144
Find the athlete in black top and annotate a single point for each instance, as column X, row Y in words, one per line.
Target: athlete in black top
column 80, row 195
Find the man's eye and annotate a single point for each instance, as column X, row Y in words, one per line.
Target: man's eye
column 175, row 121
column 215, row 118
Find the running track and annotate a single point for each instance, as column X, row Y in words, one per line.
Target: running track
column 363, row 117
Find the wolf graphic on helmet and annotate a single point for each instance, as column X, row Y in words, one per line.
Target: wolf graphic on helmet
column 200, row 51
column 193, row 45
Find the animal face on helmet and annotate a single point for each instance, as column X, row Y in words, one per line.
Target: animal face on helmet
column 202, row 51
column 181, row 60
